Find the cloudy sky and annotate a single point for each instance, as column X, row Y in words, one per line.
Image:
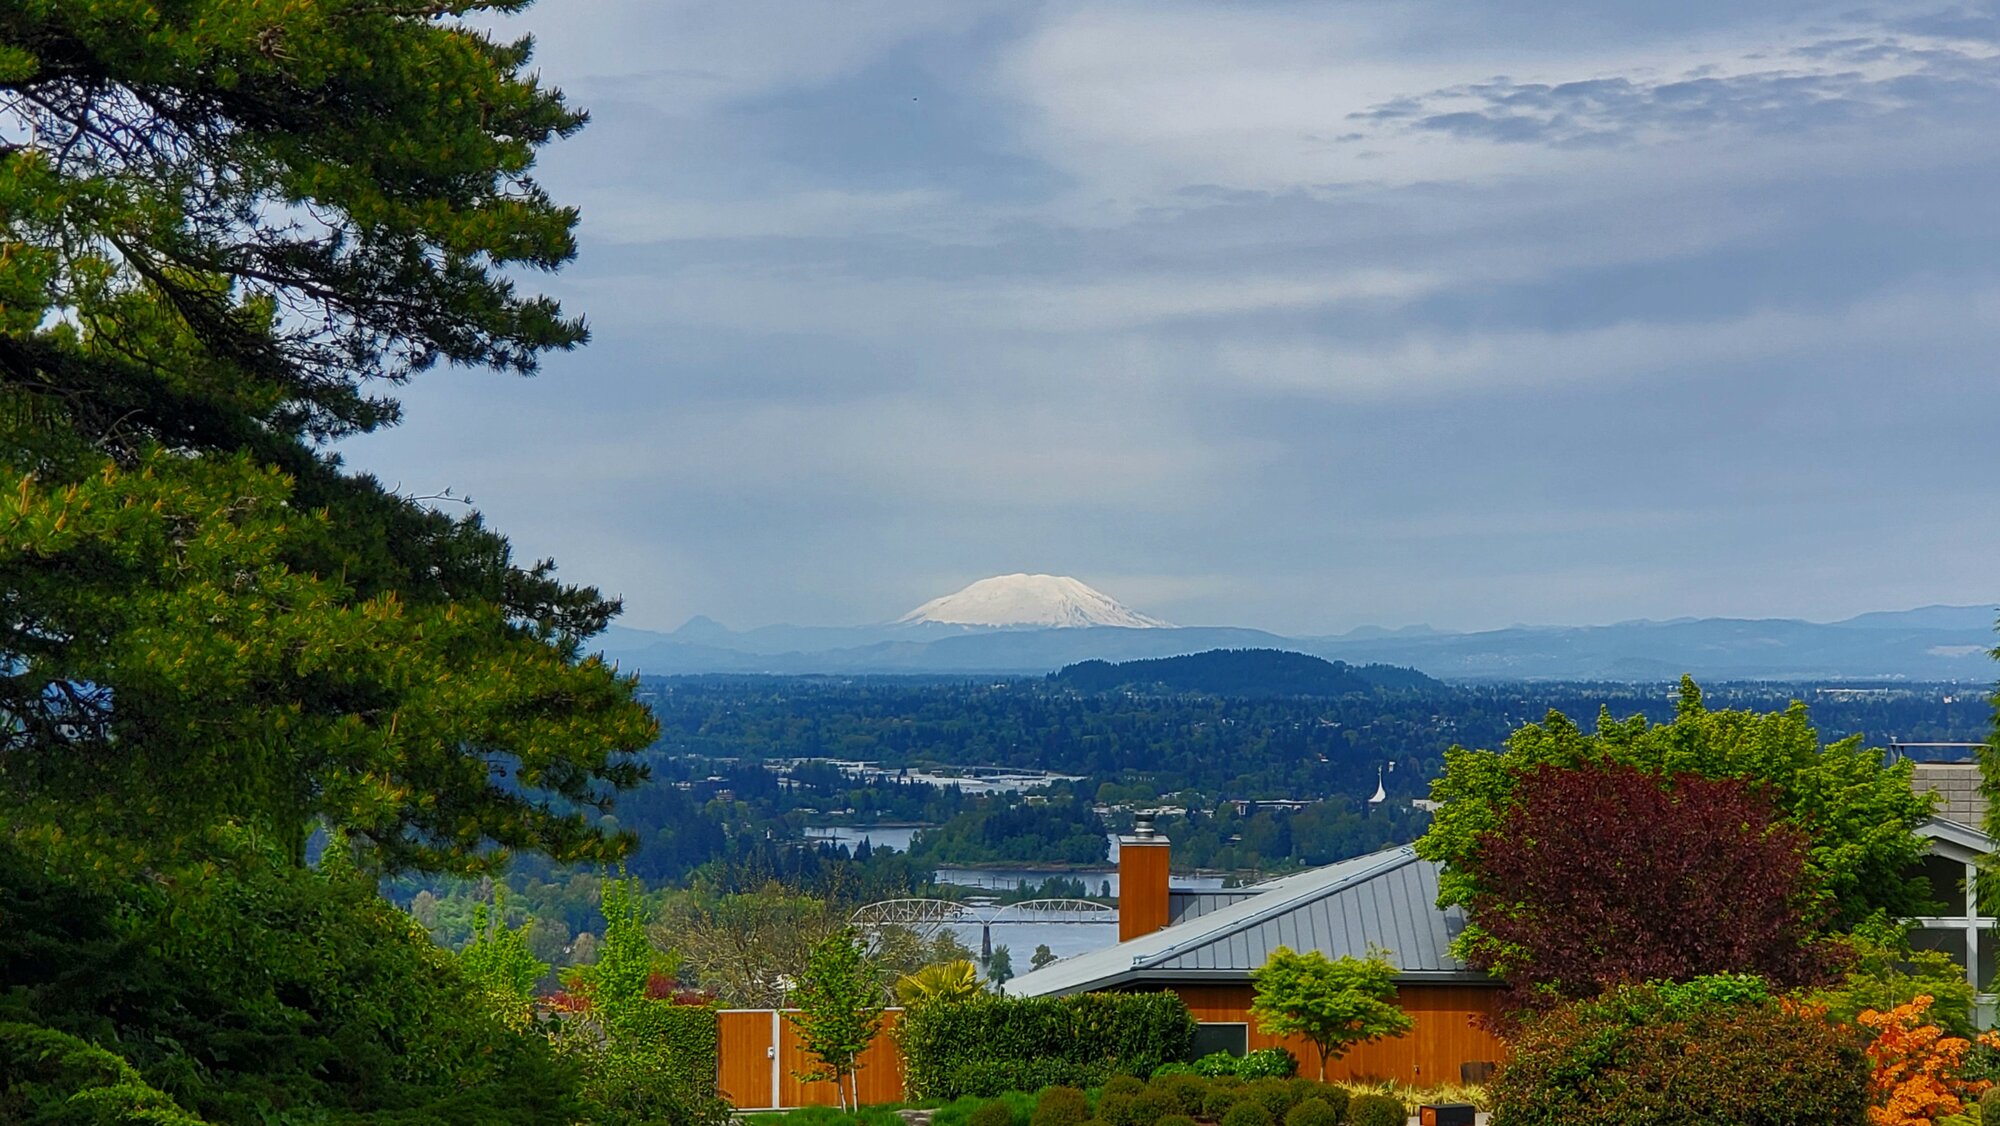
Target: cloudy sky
column 1290, row 315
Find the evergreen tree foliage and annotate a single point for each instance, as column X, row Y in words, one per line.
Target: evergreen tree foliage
column 224, row 228
column 227, row 229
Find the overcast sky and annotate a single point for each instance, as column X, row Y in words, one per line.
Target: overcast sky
column 1290, row 315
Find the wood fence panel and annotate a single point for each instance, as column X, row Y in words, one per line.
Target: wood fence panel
column 743, row 1062
column 879, row 1076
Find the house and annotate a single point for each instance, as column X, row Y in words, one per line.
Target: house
column 1204, row 945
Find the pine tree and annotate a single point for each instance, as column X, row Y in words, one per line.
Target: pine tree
column 226, row 228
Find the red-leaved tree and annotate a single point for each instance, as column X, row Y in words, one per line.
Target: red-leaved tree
column 1606, row 874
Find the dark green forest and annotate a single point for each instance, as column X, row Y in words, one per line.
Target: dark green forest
column 744, row 765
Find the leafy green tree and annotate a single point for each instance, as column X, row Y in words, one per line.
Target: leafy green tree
column 1334, row 1003
column 740, row 945
column 1043, row 956
column 1858, row 814
column 224, row 228
column 498, row 958
column 839, row 1010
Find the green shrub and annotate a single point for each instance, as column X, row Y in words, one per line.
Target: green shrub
column 1708, row 1051
column 1268, row 1063
column 1218, row 1101
column 1989, row 1105
column 1215, row 1063
column 43, row 1070
column 1376, row 1110
column 1185, row 1090
column 1313, row 1112
column 992, row 1044
column 1247, row 1113
column 1118, row 1108
column 995, row 1113
column 1335, row 1097
column 1174, row 1068
column 1123, row 1085
column 1153, row 1104
column 1274, row 1095
column 1176, row 1120
column 1061, row 1106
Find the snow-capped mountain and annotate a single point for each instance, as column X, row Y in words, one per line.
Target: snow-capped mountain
column 1030, row 601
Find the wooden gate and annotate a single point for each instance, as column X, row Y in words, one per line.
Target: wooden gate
column 760, row 1051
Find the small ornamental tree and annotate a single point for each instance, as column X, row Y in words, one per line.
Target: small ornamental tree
column 1000, row 967
column 840, row 1003
column 1606, row 874
column 499, row 960
column 1335, row 1003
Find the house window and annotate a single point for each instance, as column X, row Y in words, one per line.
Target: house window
column 1212, row 1038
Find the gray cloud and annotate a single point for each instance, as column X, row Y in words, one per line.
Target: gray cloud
column 1280, row 315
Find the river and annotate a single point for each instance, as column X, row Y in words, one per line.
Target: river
column 1063, row 939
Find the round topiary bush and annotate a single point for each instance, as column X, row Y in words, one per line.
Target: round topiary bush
column 1185, row 1090
column 1247, row 1113
column 1710, row 1050
column 1274, row 1095
column 1117, row 1109
column 1123, row 1085
column 1376, row 1110
column 995, row 1113
column 1216, row 1103
column 1061, row 1106
column 1313, row 1112
column 1153, row 1104
column 1989, row 1105
column 1176, row 1120
column 1335, row 1097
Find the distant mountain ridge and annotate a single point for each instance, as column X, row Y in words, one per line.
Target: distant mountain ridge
column 1241, row 672
column 1927, row 643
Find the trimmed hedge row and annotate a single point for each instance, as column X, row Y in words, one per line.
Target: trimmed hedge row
column 991, row 1044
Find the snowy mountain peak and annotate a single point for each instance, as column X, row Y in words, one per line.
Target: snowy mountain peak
column 1030, row 600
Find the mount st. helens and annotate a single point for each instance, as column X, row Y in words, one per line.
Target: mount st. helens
column 1031, row 602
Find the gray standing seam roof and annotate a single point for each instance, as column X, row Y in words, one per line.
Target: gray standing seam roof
column 1386, row 899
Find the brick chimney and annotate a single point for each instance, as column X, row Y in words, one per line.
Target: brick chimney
column 1142, row 879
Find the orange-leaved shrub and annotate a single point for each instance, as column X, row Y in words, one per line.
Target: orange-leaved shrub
column 1915, row 1069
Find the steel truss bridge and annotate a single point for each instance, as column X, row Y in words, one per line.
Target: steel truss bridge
column 927, row 916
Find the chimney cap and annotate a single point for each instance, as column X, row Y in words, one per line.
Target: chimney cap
column 1144, row 830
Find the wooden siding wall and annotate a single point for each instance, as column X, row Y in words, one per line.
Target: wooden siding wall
column 1449, row 1032
column 745, row 1073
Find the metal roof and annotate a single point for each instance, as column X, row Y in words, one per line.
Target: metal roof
column 1386, row 899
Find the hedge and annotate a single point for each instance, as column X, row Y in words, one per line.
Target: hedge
column 991, row 1044
column 658, row 1065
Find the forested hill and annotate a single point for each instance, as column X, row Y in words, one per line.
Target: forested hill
column 1246, row 673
